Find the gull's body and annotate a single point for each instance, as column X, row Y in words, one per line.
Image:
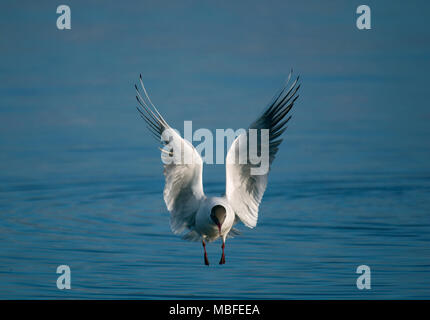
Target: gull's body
column 209, row 218
column 204, row 224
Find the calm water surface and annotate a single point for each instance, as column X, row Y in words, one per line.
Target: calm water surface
column 313, row 233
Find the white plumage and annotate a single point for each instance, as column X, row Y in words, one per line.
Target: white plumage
column 210, row 218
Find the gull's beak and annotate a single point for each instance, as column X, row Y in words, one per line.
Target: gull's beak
column 219, row 228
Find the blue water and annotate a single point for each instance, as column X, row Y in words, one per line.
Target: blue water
column 313, row 233
column 81, row 181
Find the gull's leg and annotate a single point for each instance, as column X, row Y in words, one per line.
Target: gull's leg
column 222, row 261
column 206, row 255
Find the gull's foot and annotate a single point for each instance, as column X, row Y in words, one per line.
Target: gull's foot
column 205, row 255
column 222, row 261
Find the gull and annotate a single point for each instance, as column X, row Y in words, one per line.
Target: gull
column 206, row 218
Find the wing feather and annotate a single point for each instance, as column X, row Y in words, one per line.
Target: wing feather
column 244, row 191
column 183, row 188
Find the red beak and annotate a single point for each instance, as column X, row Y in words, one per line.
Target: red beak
column 219, row 228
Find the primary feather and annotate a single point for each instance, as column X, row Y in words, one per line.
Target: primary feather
column 244, row 191
column 183, row 188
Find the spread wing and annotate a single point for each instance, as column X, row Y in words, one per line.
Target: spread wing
column 183, row 165
column 245, row 190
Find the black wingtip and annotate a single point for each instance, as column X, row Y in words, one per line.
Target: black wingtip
column 140, row 76
column 135, row 86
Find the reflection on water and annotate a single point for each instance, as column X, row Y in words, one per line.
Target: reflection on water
column 312, row 235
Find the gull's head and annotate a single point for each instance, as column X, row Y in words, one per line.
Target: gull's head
column 218, row 215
